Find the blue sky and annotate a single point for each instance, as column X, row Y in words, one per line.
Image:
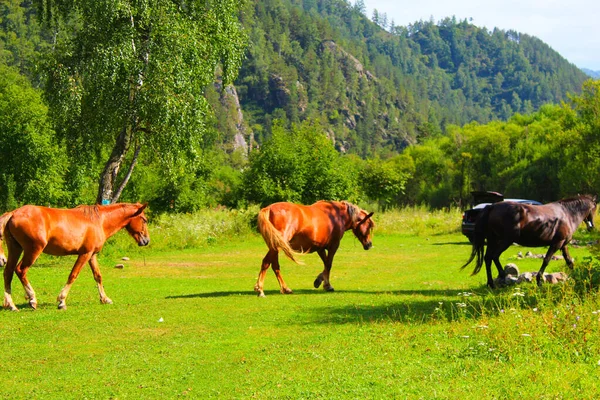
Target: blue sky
column 571, row 28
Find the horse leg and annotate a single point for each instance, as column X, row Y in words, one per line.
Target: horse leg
column 567, row 256
column 489, row 256
column 14, row 252
column 323, row 254
column 79, row 263
column 266, row 263
column 551, row 250
column 29, row 257
column 283, row 288
column 501, row 248
column 98, row 278
column 327, row 257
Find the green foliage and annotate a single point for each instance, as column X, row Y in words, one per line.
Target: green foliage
column 384, row 181
column 33, row 165
column 300, row 165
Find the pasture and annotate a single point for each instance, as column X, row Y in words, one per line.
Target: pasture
column 404, row 321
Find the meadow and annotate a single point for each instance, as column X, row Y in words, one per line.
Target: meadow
column 404, row 321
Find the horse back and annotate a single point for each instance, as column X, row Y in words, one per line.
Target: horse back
column 308, row 228
column 59, row 231
column 530, row 225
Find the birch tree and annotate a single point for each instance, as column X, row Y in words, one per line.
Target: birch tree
column 127, row 76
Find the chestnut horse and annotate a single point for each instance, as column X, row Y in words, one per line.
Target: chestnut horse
column 79, row 231
column 552, row 224
column 297, row 229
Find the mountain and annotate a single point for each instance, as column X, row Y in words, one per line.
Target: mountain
column 590, row 73
column 377, row 89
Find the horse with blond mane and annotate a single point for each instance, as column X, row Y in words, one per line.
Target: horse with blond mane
column 81, row 231
column 297, row 229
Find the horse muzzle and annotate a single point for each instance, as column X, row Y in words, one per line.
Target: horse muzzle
column 367, row 246
column 144, row 241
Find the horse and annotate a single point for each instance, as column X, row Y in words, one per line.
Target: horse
column 296, row 229
column 552, row 225
column 82, row 231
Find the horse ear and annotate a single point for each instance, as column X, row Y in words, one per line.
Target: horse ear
column 365, row 218
column 141, row 209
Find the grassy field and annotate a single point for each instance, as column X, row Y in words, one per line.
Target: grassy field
column 404, row 322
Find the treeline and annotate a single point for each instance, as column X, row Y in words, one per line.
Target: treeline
column 333, row 107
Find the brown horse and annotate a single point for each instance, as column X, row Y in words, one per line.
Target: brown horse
column 80, row 231
column 553, row 224
column 299, row 229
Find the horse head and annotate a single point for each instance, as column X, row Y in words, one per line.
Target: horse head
column 362, row 229
column 137, row 226
column 589, row 219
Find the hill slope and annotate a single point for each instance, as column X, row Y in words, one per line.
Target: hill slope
column 378, row 90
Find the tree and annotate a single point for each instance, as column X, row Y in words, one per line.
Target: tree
column 32, row 163
column 299, row 165
column 130, row 75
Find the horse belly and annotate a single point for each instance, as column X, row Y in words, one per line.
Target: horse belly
column 62, row 247
column 304, row 245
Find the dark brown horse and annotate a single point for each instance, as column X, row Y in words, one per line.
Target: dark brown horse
column 552, row 225
column 296, row 229
column 81, row 231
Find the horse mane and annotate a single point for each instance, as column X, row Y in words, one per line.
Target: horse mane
column 578, row 203
column 353, row 211
column 92, row 212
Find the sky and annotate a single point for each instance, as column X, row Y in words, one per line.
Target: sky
column 572, row 28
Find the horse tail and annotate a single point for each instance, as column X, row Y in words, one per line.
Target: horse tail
column 273, row 237
column 4, row 218
column 3, row 221
column 479, row 240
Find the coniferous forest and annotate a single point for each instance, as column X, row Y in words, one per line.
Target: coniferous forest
column 231, row 103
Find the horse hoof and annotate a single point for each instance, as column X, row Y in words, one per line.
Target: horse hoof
column 106, row 301
column 287, row 291
column 261, row 294
column 318, row 282
column 33, row 305
column 329, row 289
column 62, row 306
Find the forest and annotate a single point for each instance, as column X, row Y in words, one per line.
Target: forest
column 233, row 103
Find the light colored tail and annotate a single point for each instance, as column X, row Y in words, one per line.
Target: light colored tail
column 273, row 237
column 4, row 218
column 3, row 221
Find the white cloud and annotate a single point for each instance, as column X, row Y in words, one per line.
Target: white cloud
column 571, row 28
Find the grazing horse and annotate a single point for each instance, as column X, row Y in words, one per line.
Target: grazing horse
column 80, row 231
column 553, row 224
column 297, row 229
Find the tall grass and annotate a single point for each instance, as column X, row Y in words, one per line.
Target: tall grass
column 418, row 220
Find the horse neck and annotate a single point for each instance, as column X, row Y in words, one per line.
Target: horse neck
column 578, row 214
column 115, row 217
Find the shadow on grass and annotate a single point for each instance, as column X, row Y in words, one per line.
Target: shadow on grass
column 410, row 306
column 422, row 292
column 452, row 243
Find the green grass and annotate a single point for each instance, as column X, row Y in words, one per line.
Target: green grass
column 186, row 323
